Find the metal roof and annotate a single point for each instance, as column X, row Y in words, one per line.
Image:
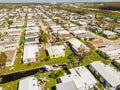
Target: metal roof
column 111, row 75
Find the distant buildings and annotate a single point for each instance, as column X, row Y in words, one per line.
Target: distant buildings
column 65, row 36
column 56, row 51
column 9, row 44
column 106, row 74
column 110, row 34
column 98, row 43
column 17, row 24
column 78, row 32
column 33, row 29
column 78, row 79
column 86, row 37
column 31, row 40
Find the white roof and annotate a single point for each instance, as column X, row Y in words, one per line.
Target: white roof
column 63, row 32
column 56, row 26
column 55, row 49
column 76, row 44
column 109, row 33
column 29, row 51
column 17, row 24
column 111, row 75
column 118, row 61
column 77, row 31
column 10, row 47
column 47, row 20
column 66, row 86
column 74, row 28
column 29, row 24
column 1, row 88
column 111, row 51
column 13, row 30
column 29, row 83
column 79, row 77
column 82, row 22
column 32, row 28
column 70, row 25
column 77, row 73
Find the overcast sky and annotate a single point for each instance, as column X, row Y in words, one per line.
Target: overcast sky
column 24, row 1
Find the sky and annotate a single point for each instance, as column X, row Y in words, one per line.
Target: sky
column 40, row 1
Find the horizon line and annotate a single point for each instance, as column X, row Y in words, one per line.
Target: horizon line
column 60, row 2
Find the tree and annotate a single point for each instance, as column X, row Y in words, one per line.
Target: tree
column 53, row 74
column 0, row 34
column 3, row 59
column 1, row 79
column 82, row 53
column 70, row 56
column 56, row 74
column 73, row 60
column 59, row 73
column 10, row 22
column 47, row 58
column 43, row 36
column 22, row 38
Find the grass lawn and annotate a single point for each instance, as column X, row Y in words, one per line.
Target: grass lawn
column 100, row 86
column 14, row 84
column 112, row 38
column 10, row 85
column 42, row 55
column 51, row 81
column 19, row 66
column 94, row 56
column 61, row 59
column 48, row 85
column 54, row 39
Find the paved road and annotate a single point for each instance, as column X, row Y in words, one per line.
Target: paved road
column 43, row 27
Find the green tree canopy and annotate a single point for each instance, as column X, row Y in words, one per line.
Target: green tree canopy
column 43, row 36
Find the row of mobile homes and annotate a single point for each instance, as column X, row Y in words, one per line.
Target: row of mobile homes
column 106, row 74
column 9, row 44
column 30, row 50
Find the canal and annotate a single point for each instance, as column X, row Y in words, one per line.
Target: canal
column 19, row 75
